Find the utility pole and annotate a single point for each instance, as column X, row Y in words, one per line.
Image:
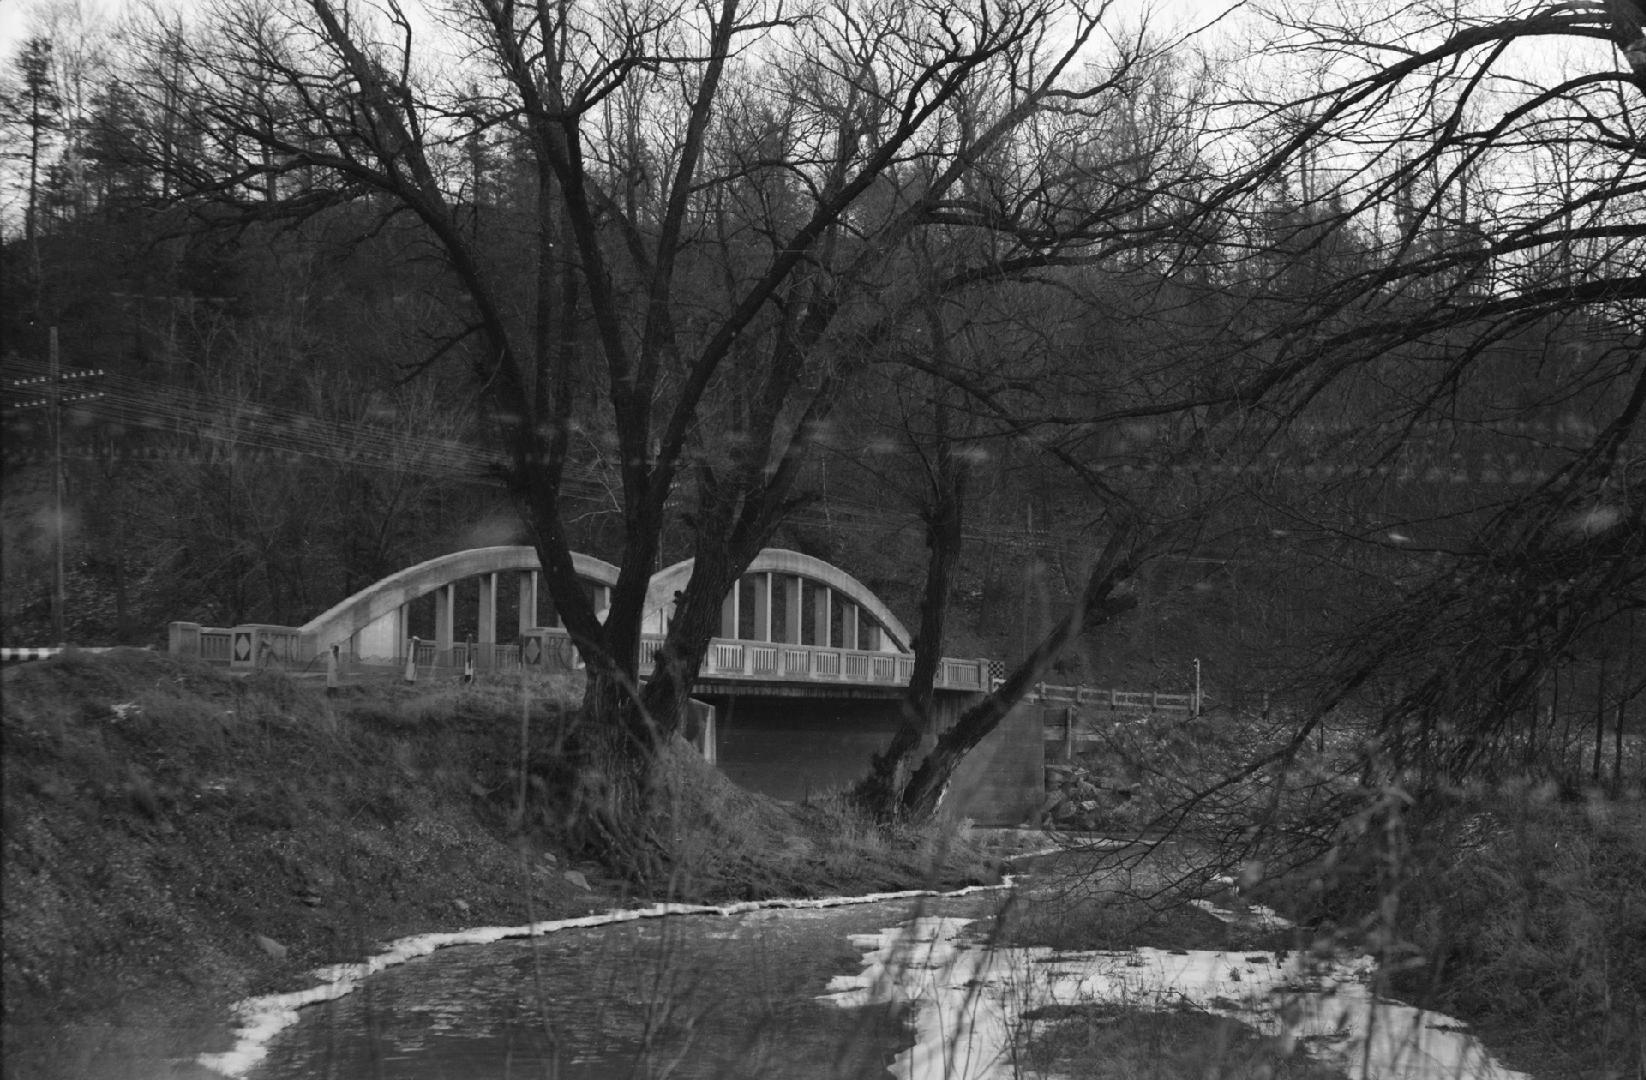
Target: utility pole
column 52, row 382
column 55, row 395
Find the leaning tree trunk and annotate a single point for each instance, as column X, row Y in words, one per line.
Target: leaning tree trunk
column 1100, row 601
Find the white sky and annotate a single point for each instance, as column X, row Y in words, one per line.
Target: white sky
column 11, row 27
column 18, row 17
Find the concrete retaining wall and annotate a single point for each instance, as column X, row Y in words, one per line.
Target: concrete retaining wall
column 1002, row 781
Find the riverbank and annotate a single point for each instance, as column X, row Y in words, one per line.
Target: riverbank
column 177, row 840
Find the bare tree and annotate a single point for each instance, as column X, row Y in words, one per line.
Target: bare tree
column 1434, row 272
column 715, row 203
column 1387, row 260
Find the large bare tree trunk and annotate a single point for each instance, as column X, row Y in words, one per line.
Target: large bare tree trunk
column 882, row 790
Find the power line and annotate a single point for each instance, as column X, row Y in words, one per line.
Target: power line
column 239, row 425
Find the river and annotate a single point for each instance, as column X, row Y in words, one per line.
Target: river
column 904, row 986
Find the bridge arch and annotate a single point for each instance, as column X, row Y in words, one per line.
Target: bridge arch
column 791, row 597
column 372, row 618
column 780, row 568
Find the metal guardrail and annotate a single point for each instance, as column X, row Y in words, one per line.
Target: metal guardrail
column 11, row 654
column 1073, row 727
column 1152, row 700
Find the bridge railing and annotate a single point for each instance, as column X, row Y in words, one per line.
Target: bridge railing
column 962, row 674
column 212, row 643
column 772, row 661
column 1148, row 700
column 650, row 646
column 249, row 645
column 257, row 645
column 782, row 662
column 488, row 655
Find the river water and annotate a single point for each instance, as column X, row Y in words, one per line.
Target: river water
column 693, row 996
column 901, row 987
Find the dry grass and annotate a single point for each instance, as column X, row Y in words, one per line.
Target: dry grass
column 1531, row 914
column 725, row 842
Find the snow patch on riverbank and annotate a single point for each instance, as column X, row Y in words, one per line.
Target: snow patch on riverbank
column 1252, row 915
column 968, row 999
column 263, row 1018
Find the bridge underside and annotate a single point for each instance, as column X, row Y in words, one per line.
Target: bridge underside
column 796, row 747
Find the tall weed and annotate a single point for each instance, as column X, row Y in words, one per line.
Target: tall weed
column 1520, row 911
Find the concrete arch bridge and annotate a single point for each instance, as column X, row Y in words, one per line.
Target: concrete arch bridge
column 794, row 625
column 803, row 682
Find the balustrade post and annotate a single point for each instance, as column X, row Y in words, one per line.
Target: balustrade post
column 183, row 639
column 533, row 651
column 243, row 648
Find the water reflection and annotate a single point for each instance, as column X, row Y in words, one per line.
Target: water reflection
column 684, row 997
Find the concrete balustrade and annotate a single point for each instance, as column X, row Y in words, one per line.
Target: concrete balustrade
column 734, row 660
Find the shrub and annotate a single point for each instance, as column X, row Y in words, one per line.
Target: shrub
column 1516, row 911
